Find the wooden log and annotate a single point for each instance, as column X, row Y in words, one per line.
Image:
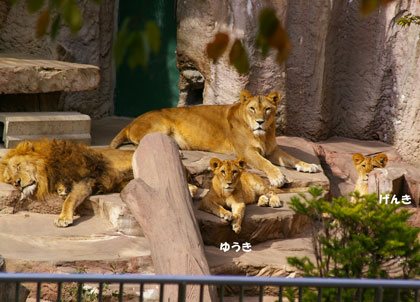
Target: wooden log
column 159, row 199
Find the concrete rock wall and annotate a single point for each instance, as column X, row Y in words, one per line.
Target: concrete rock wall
column 347, row 75
column 92, row 45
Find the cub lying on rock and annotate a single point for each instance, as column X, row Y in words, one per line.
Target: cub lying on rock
column 234, row 188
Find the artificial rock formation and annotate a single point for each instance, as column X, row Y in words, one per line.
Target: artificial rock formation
column 159, row 199
column 346, row 75
column 92, row 45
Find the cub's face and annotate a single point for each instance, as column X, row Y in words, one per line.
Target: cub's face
column 364, row 165
column 227, row 172
column 62, row 190
column 259, row 110
column 21, row 172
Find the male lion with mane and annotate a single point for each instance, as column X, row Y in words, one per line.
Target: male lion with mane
column 40, row 168
column 246, row 129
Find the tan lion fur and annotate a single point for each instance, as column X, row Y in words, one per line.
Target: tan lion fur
column 41, row 168
column 245, row 129
column 364, row 165
column 234, row 188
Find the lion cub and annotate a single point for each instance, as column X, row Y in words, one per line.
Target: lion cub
column 234, row 188
column 63, row 190
column 364, row 165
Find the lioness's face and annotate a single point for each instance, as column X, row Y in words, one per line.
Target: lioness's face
column 228, row 172
column 260, row 110
column 21, row 172
column 364, row 165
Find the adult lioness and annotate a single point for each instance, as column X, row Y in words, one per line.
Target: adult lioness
column 245, row 129
column 40, row 168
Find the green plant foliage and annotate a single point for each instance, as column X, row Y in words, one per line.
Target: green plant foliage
column 34, row 5
column 58, row 10
column 239, row 58
column 137, row 45
column 364, row 239
column 153, row 36
column 369, row 6
column 408, row 19
column 271, row 34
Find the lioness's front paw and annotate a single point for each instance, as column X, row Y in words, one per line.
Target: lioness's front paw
column 63, row 222
column 226, row 216
column 305, row 167
column 277, row 179
column 275, row 202
column 263, row 201
column 236, row 228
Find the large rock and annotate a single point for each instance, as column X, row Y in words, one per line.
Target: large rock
column 92, row 45
column 201, row 80
column 346, row 75
column 24, row 74
column 260, row 224
column 268, row 259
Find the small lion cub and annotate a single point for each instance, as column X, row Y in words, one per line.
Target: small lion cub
column 234, row 188
column 364, row 165
column 63, row 189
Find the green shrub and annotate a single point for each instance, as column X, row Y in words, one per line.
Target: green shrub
column 364, row 239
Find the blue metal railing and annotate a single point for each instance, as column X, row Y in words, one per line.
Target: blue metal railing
column 222, row 281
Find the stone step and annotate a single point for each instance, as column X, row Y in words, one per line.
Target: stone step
column 31, row 243
column 260, row 224
column 268, row 259
column 19, row 126
column 197, row 163
column 11, row 141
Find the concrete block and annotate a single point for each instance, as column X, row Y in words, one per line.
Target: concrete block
column 20, row 126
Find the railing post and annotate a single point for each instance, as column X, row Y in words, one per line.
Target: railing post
column 379, row 294
column 181, row 292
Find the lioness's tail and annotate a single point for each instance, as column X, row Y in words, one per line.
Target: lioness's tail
column 119, row 139
column 288, row 190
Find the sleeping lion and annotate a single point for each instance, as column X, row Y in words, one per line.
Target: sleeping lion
column 246, row 129
column 45, row 167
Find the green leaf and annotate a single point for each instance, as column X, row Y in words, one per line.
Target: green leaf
column 34, row 5
column 121, row 42
column 217, row 47
column 72, row 16
column 138, row 54
column 42, row 23
column 55, row 27
column 153, row 36
column 239, row 58
column 368, row 6
column 271, row 34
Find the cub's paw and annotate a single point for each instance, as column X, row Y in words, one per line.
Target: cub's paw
column 226, row 215
column 63, row 222
column 193, row 189
column 236, row 228
column 263, row 201
column 277, row 179
column 275, row 201
column 305, row 167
